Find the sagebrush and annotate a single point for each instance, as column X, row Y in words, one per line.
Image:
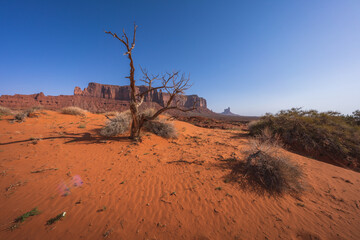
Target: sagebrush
column 73, row 111
column 117, row 125
column 161, row 128
column 22, row 115
column 111, row 114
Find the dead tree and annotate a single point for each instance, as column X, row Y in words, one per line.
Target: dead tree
column 172, row 83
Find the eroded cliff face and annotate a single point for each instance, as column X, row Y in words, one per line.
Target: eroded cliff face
column 19, row 101
column 100, row 98
column 122, row 93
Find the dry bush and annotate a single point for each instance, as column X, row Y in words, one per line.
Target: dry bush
column 111, row 114
column 267, row 137
column 5, row 111
column 149, row 112
column 356, row 117
column 21, row 116
column 36, row 108
column 73, row 111
column 272, row 171
column 324, row 135
column 161, row 128
column 253, row 123
column 117, row 125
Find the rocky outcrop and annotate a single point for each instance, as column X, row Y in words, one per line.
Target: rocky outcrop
column 228, row 112
column 99, row 98
column 123, row 93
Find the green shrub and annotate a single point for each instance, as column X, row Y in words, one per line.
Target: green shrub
column 23, row 217
column 161, row 128
column 325, row 135
column 73, row 111
column 117, row 125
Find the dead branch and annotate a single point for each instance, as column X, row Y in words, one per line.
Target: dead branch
column 177, row 87
column 43, row 170
column 126, row 40
column 197, row 162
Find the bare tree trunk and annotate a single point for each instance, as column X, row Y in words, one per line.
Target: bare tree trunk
column 170, row 82
column 135, row 125
column 134, row 106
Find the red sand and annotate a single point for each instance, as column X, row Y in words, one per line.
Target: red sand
column 130, row 191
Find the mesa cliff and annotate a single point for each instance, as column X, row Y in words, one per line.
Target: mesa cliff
column 122, row 93
column 100, row 98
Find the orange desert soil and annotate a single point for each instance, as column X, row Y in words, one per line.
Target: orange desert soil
column 157, row 189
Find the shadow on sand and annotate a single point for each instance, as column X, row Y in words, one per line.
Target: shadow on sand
column 240, row 136
column 85, row 138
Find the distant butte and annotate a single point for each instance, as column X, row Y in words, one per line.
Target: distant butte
column 228, row 112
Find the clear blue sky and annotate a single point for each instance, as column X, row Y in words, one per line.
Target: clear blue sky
column 254, row 56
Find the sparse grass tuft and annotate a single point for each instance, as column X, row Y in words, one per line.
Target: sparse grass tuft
column 55, row 219
column 23, row 217
column 161, row 128
column 117, row 125
column 73, row 111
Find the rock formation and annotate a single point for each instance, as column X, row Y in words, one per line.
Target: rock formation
column 99, row 98
column 122, row 93
column 228, row 112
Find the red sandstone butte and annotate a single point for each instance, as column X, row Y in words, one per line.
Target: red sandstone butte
column 100, row 98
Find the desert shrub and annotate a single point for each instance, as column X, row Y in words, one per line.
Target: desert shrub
column 73, row 111
column 111, row 114
column 266, row 136
column 149, row 112
column 161, row 128
column 35, row 108
column 356, row 116
column 117, row 125
column 270, row 170
column 327, row 135
column 22, row 115
column 5, row 111
column 253, row 123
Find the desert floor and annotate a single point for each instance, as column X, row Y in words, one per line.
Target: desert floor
column 157, row 189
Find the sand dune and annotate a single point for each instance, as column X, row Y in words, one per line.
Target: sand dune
column 158, row 189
